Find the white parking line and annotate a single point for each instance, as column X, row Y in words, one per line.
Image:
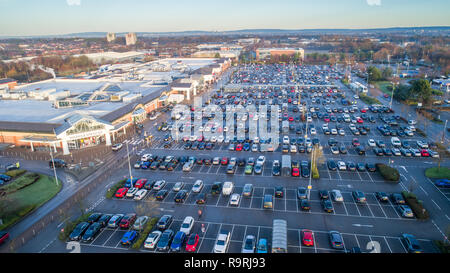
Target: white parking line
column 436, row 204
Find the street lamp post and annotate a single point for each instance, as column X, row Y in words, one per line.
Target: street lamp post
column 129, row 165
column 54, row 167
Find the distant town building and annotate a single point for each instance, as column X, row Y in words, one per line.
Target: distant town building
column 7, row 83
column 265, row 53
column 131, row 38
column 110, row 37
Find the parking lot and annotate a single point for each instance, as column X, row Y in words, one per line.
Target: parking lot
column 359, row 224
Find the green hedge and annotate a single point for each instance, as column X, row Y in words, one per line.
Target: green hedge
column 143, row 235
column 416, row 205
column 70, row 226
column 369, row 100
column 15, row 173
column 111, row 191
column 21, row 182
column 390, row 174
column 443, row 247
column 315, row 173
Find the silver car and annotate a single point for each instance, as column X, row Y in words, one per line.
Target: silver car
column 140, row 223
column 249, row 244
column 178, row 186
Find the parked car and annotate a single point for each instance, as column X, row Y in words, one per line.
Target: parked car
column 411, row 243
column 152, row 239
column 129, row 237
column 249, row 244
column 165, row 240
column 78, row 232
column 336, row 240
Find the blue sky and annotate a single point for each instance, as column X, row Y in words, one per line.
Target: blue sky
column 41, row 17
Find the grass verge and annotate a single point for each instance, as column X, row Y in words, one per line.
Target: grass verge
column 70, row 226
column 17, row 204
column 143, row 235
column 111, row 191
column 438, row 173
column 391, row 175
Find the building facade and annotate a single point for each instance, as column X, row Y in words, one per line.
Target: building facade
column 131, row 38
column 266, row 53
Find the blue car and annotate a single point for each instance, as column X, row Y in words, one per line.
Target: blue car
column 129, row 183
column 246, row 146
column 262, row 246
column 178, row 241
column 444, row 183
column 128, row 237
column 145, row 165
column 4, row 177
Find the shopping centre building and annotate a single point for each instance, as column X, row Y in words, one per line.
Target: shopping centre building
column 95, row 111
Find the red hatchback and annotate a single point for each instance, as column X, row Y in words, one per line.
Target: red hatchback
column 291, row 118
column 424, row 152
column 239, row 147
column 127, row 220
column 140, row 183
column 359, row 120
column 121, row 192
column 192, row 242
column 307, row 237
column 224, row 160
column 295, row 172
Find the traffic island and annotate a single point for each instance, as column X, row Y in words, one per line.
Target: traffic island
column 391, row 175
column 24, row 194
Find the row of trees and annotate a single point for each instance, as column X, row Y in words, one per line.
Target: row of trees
column 28, row 72
column 376, row 74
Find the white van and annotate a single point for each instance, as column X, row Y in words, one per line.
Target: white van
column 395, row 141
column 227, row 188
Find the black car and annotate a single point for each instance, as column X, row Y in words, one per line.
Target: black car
column 165, row 240
column 323, row 194
column 90, row 233
column 78, row 232
column 360, row 167
column 59, row 163
column 216, row 188
column 304, row 204
column 201, row 198
column 149, row 185
column 181, row 196
column 382, row 196
column 371, row 167
column 94, row 217
column 378, row 151
column 397, row 199
column 161, row 194
column 164, row 222
column 332, row 166
column 327, row 205
column 104, row 219
column 279, row 192
column 360, row 150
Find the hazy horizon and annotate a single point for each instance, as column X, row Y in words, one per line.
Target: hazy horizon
column 59, row 17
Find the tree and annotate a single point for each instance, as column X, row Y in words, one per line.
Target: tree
column 374, row 74
column 217, row 55
column 386, row 73
column 421, row 89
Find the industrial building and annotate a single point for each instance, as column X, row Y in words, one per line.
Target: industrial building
column 266, row 53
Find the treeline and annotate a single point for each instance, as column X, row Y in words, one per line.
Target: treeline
column 29, row 72
column 419, row 91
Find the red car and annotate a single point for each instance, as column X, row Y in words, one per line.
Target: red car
column 355, row 142
column 140, row 183
column 239, row 147
column 363, row 110
column 307, row 237
column 224, row 160
column 121, row 192
column 127, row 220
column 192, row 242
column 291, row 118
column 359, row 120
column 295, row 172
column 3, row 236
column 200, row 139
column 424, row 152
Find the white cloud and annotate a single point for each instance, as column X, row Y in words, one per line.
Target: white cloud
column 374, row 2
column 73, row 2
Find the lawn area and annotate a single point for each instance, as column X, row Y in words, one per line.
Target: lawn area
column 16, row 204
column 384, row 86
column 439, row 173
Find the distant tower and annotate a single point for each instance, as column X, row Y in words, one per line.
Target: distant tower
column 131, row 38
column 110, row 37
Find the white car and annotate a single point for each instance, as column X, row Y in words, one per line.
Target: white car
column 293, row 148
column 254, row 147
column 152, row 239
column 213, row 139
column 140, row 194
column 222, row 241
column 396, row 152
column 422, row 144
column 234, row 199
column 337, row 196
column 178, row 186
column 117, row 146
column 286, row 140
column 220, row 139
column 342, row 132
column 227, row 188
column 334, row 131
column 198, row 186
column 313, row 131
column 342, row 166
column 395, row 141
column 145, row 157
column 159, row 185
column 131, row 192
column 261, row 160
column 372, row 143
column 256, row 140
column 187, row 225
